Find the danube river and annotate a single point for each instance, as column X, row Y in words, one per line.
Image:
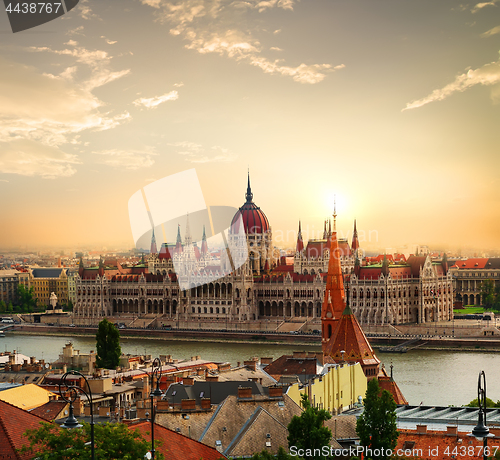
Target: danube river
column 424, row 376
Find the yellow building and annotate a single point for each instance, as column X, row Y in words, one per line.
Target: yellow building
column 26, row 397
column 337, row 389
column 45, row 281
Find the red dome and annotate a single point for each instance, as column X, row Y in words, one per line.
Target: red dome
column 254, row 219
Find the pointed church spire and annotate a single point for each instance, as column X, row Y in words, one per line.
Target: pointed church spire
column 334, row 301
column 249, row 194
column 187, row 238
column 355, row 241
column 300, row 242
column 178, row 243
column 325, row 235
column 335, row 213
column 204, row 246
column 153, row 249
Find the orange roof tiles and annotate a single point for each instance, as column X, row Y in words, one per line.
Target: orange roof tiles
column 350, row 338
column 13, row 423
column 434, row 445
column 176, row 446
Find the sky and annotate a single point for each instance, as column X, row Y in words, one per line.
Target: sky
column 391, row 106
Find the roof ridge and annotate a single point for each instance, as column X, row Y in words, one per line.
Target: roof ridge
column 219, row 407
column 244, row 428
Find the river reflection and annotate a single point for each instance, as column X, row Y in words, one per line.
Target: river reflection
column 424, row 376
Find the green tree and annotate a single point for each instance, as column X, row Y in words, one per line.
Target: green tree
column 26, row 298
column 112, row 441
column 488, row 293
column 376, row 426
column 307, row 431
column 489, row 403
column 108, row 345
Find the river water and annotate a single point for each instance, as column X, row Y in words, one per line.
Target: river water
column 430, row 377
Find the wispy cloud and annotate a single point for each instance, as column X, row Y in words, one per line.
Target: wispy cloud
column 153, row 102
column 480, row 6
column 204, row 26
column 29, row 158
column 3, row 180
column 486, row 75
column 85, row 11
column 489, row 33
column 108, row 41
column 127, row 159
column 98, row 61
column 275, row 48
column 196, row 153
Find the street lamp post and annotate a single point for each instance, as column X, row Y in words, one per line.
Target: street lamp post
column 73, row 390
column 481, row 431
column 154, row 376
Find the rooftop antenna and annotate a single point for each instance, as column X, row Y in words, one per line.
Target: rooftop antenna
column 334, row 213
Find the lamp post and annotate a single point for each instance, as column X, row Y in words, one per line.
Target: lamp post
column 154, row 376
column 481, row 431
column 73, row 390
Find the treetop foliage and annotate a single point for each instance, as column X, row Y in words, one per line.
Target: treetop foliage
column 108, row 345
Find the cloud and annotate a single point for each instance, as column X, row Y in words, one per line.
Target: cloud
column 108, row 41
column 196, row 153
column 128, row 159
column 178, row 85
column 153, row 102
column 489, row 33
column 40, row 112
column 3, row 180
column 275, row 48
column 486, row 75
column 204, row 26
column 75, row 31
column 86, row 12
column 97, row 60
column 29, row 158
column 480, row 6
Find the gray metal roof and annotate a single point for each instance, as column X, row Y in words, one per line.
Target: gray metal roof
column 47, row 272
column 438, row 418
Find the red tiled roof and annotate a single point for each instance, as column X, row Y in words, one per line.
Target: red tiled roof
column 416, row 262
column 433, row 445
column 288, row 365
column 283, row 268
column 176, row 446
column 13, row 423
column 386, row 383
column 471, row 263
column 350, row 338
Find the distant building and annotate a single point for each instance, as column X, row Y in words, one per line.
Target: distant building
column 9, row 282
column 416, row 291
column 45, row 281
column 265, row 287
column 469, row 274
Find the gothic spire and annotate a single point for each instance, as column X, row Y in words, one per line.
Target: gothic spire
column 300, row 242
column 153, row 249
column 249, row 194
column 355, row 241
column 204, row 246
column 178, row 243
